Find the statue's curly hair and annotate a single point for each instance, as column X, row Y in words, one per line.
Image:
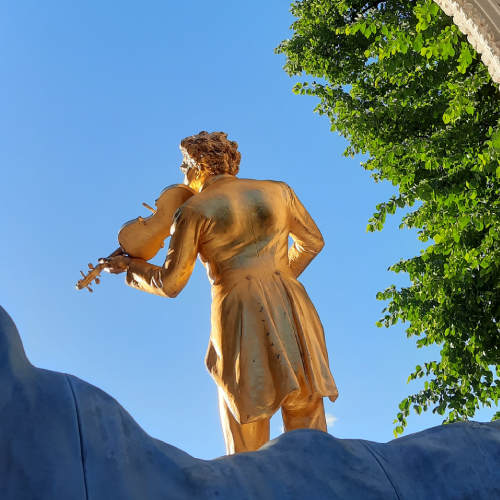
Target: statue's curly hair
column 212, row 153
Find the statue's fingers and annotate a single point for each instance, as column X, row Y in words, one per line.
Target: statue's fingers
column 117, row 270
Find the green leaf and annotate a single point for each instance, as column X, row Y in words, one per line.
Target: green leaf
column 463, row 221
column 495, row 139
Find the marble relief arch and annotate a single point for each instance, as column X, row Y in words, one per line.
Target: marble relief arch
column 480, row 21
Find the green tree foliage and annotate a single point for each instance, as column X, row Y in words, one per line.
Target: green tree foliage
column 404, row 86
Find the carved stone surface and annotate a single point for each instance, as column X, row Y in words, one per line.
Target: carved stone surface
column 64, row 439
column 480, row 21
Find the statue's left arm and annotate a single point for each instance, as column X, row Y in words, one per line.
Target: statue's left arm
column 169, row 280
column 307, row 238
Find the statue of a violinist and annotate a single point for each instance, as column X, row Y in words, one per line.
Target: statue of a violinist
column 267, row 347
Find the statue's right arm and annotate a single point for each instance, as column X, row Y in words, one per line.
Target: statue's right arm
column 169, row 280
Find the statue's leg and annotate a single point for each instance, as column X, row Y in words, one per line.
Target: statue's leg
column 241, row 437
column 304, row 414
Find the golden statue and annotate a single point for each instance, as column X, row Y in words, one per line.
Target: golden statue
column 267, row 346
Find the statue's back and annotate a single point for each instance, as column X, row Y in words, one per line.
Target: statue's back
column 267, row 342
column 247, row 223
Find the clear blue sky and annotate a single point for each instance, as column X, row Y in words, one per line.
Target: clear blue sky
column 94, row 99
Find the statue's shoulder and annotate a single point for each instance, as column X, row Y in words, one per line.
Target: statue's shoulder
column 274, row 188
column 205, row 202
column 270, row 184
column 284, row 189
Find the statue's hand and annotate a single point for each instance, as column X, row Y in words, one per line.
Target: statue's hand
column 116, row 265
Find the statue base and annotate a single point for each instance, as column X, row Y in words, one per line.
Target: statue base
column 64, row 439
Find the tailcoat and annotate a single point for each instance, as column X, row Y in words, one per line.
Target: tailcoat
column 267, row 342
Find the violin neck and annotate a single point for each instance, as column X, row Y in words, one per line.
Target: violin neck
column 94, row 272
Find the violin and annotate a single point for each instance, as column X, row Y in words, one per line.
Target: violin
column 143, row 237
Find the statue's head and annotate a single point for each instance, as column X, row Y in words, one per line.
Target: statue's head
column 210, row 154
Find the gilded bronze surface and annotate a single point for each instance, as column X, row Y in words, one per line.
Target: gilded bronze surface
column 267, row 347
column 143, row 237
